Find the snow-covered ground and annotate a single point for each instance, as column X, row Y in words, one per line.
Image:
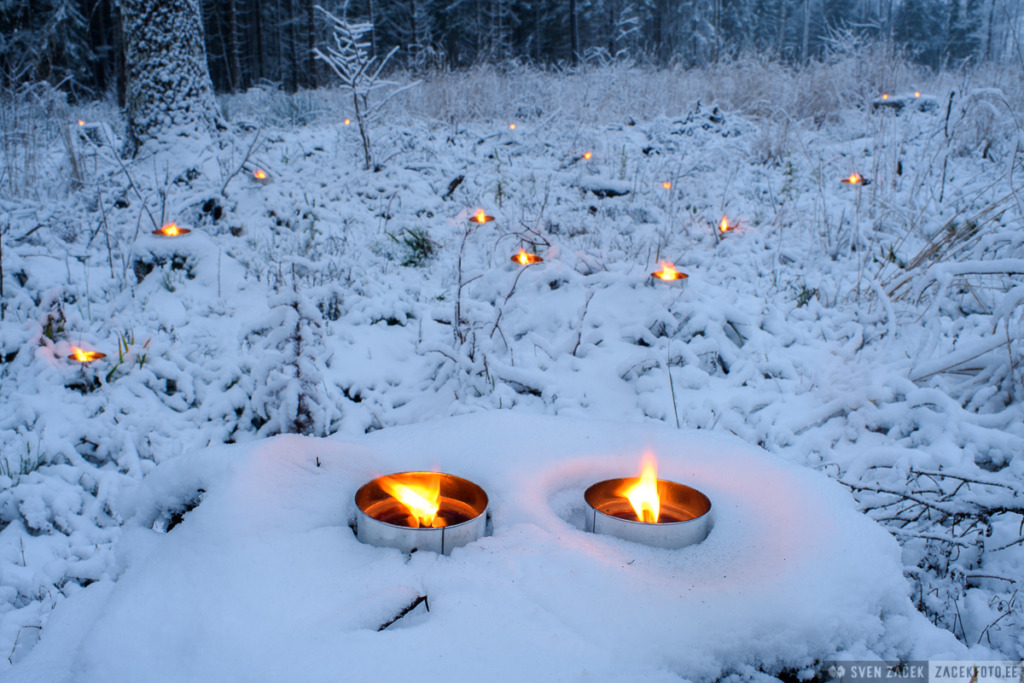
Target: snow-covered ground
column 870, row 332
column 264, row 581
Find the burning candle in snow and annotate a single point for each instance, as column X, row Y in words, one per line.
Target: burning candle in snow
column 648, row 510
column 525, row 258
column 725, row 226
column 171, row 230
column 259, row 174
column 885, row 96
column 511, row 126
column 587, row 156
column 348, row 121
column 481, row 217
column 667, row 185
column 917, row 93
column 668, row 273
column 83, row 356
column 81, row 122
column 420, row 510
column 853, row 179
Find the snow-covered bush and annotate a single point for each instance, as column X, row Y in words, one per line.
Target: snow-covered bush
column 285, row 380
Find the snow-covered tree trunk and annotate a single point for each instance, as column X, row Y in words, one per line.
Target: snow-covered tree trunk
column 168, row 87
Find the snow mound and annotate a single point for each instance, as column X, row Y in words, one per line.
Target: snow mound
column 264, row 579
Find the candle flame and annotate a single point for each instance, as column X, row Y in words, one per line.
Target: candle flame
column 885, row 96
column 348, row 121
column 724, row 225
column 480, row 216
column 667, row 185
column 587, row 155
column 260, row 174
column 668, row 272
column 643, row 494
column 81, row 122
column 83, row 356
column 422, row 501
column 917, row 93
column 171, row 230
column 525, row 258
column 854, row 179
column 511, row 126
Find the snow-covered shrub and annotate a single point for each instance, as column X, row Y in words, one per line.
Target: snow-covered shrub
column 285, row 381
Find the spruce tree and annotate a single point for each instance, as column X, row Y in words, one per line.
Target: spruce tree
column 168, row 87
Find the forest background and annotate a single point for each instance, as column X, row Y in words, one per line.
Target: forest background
column 77, row 44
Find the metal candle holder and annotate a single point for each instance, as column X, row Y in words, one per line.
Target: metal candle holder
column 684, row 519
column 669, row 275
column 383, row 520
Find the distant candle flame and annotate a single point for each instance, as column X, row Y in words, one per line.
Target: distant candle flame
column 260, row 174
column 643, row 494
column 348, row 121
column 422, row 501
column 171, row 230
column 525, row 258
column 724, row 225
column 668, row 272
column 667, row 185
column 885, row 96
column 481, row 217
column 83, row 356
column 511, row 126
column 587, row 155
column 81, row 122
column 917, row 93
column 854, row 179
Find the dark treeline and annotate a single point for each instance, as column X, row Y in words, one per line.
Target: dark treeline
column 76, row 43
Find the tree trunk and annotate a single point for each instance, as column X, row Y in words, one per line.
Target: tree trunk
column 311, row 79
column 293, row 47
column 373, row 30
column 782, row 30
column 234, row 48
column 807, row 32
column 574, row 36
column 167, row 80
column 414, row 38
column 258, row 52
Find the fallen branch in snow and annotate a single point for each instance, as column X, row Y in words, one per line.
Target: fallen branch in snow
column 950, row 238
column 968, row 509
column 579, row 332
column 949, row 512
column 1010, row 544
column 453, row 185
column 953, row 360
column 408, row 608
column 1008, row 611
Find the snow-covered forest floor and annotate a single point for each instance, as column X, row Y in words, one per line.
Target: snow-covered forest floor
column 872, row 331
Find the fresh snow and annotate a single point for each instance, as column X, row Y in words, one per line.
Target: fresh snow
column 823, row 330
column 265, row 581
